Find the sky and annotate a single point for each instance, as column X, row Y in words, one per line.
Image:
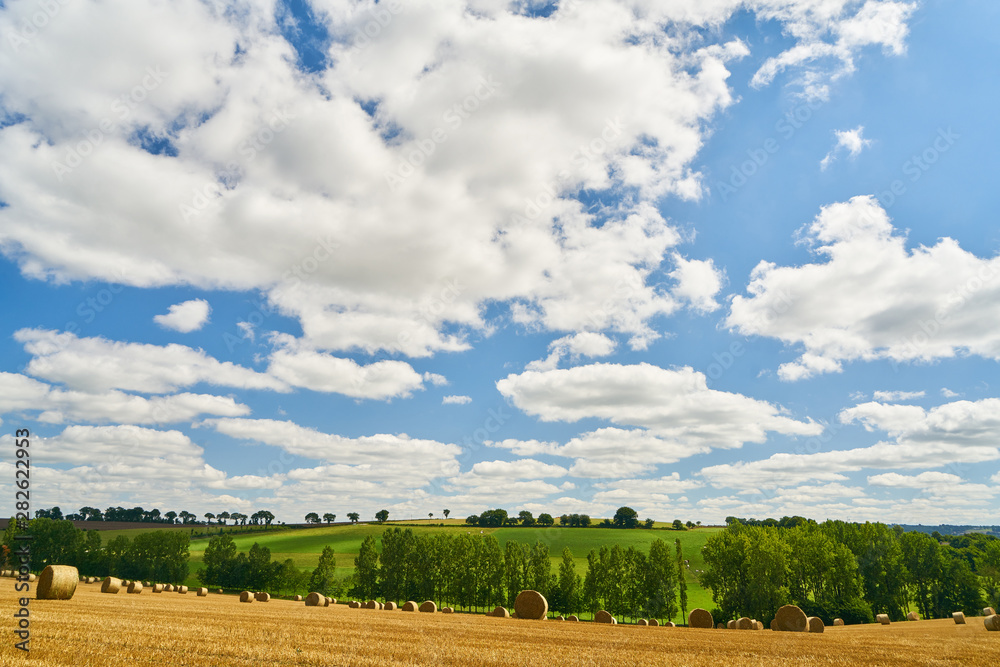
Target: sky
column 705, row 259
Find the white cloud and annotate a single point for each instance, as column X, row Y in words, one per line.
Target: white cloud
column 583, row 344
column 872, row 298
column 456, row 400
column 185, row 317
column 488, row 472
column 921, row 481
column 96, row 365
column 948, row 393
column 850, row 140
column 995, row 478
column 645, row 491
column 895, row 396
column 633, row 82
column 698, row 283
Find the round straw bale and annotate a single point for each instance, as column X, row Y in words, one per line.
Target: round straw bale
column 410, row 605
column 111, row 585
column 670, row 624
column 883, row 619
column 57, row 582
column 169, row 588
column 32, row 577
column 157, row 588
column 371, row 604
column 913, row 616
column 391, row 606
column 653, row 622
column 730, row 625
column 202, row 592
column 91, row 580
column 959, row 618
column 328, row 601
column 220, row 591
column 531, row 604
column 126, row 582
column 790, row 619
column 744, row 623
column 262, row 597
column 989, row 611
column 573, row 617
column 992, row 623
column 774, row 624
column 499, row 612
column 314, row 599
column 838, row 621
column 447, row 610
column 757, row 625
column 428, row 607
column 816, row 624
column 297, row 598
column 642, row 621
column 246, row 596
column 604, row 617
column 135, row 587
column 182, row 590
column 700, row 618
column 560, row 617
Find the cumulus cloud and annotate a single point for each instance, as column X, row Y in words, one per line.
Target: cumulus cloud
column 895, row 396
column 583, row 344
column 185, row 317
column 456, row 400
column 698, row 282
column 872, row 298
column 850, row 140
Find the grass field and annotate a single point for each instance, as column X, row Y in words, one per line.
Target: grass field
column 304, row 546
column 95, row 630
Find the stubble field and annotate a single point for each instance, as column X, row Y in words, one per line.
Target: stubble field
column 95, row 630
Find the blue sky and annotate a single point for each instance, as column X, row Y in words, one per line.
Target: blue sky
column 735, row 260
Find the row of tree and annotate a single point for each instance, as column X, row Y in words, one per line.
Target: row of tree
column 224, row 567
column 625, row 517
column 847, row 570
column 159, row 555
column 140, row 515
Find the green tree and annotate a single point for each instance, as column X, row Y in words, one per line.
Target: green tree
column 323, row 577
column 259, row 572
column 545, row 519
column 682, row 592
column 661, row 582
column 217, row 560
column 366, row 568
column 382, row 516
column 329, row 518
column 353, row 516
column 446, row 513
column 526, row 518
column 625, row 517
column 312, row 517
column 678, row 524
column 566, row 596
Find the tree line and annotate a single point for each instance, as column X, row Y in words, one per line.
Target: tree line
column 157, row 555
column 847, row 570
column 140, row 515
column 625, row 517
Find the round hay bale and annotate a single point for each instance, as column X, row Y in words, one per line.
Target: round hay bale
column 757, row 625
column 790, row 619
column 135, row 587
column 410, row 605
column 670, row 624
column 838, row 621
column 297, row 598
column 371, row 604
column 774, row 624
column 314, row 599
column 642, row 621
column 560, row 617
column 989, row 611
column 157, row 588
column 203, row 592
column 57, row 582
column 447, row 610
column 653, row 622
column 262, row 597
column 992, row 623
column 246, row 596
column 220, row 591
column 531, row 605
column 428, row 607
column 499, row 612
column 573, row 617
column 328, row 601
column 126, row 582
column 111, row 585
column 730, row 625
column 720, row 626
column 169, row 588
column 913, row 616
column 744, row 623
column 701, row 618
column 959, row 618
column 182, row 590
column 391, row 606
column 604, row 617
column 816, row 624
column 883, row 619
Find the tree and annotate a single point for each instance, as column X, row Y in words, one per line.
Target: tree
column 170, row 516
column 366, row 569
column 682, row 590
column 323, row 577
column 494, row 518
column 259, row 570
column 312, row 517
column 584, row 520
column 526, row 518
column 661, row 582
column 353, row 516
column 678, row 524
column 209, row 516
column 430, row 515
column 648, row 524
column 217, row 560
column 472, row 519
column 382, row 516
column 545, row 520
column 566, row 596
column 223, row 516
column 329, row 518
column 625, row 517
column 446, row 513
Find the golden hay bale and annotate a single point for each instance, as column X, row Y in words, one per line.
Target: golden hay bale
column 913, row 616
column 371, row 604
column 992, row 623
column 560, row 617
column 314, row 599
column 790, row 619
column 499, row 612
column 220, row 591
column 126, row 582
column 642, row 621
column 838, row 621
column 203, row 592
column 428, row 607
column 169, row 588
column 573, row 617
column 297, row 598
column 262, row 597
column 157, row 588
column 57, row 582
column 391, row 606
column 330, row 601
column 91, row 580
column 604, row 617
column 883, row 619
column 653, row 622
column 700, row 618
column 410, row 606
column 720, row 626
column 989, row 611
column 816, row 624
column 32, row 577
column 246, row 596
column 111, row 585
column 774, row 624
column 182, row 590
column 447, row 610
column 757, row 625
column 730, row 625
column 135, row 587
column 531, row 605
column 744, row 623
column 670, row 624
column 959, row 618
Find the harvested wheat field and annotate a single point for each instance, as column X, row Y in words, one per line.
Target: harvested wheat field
column 94, row 630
